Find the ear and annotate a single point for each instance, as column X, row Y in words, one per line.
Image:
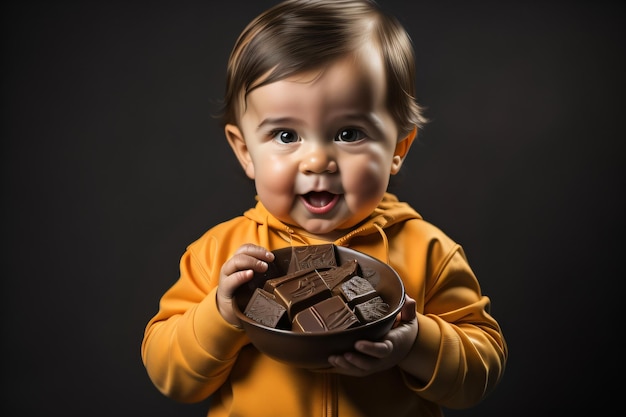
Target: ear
column 238, row 144
column 402, row 149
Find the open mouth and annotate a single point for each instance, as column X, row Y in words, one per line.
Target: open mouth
column 320, row 202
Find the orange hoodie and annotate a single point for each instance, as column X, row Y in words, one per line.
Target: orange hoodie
column 190, row 352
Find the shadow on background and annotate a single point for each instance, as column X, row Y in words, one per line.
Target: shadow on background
column 112, row 164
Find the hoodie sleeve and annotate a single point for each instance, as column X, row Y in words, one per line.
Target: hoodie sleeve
column 188, row 349
column 455, row 324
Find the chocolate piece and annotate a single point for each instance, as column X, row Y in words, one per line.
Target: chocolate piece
column 312, row 257
column 371, row 275
column 272, row 283
column 330, row 314
column 335, row 276
column 332, row 275
column 371, row 310
column 263, row 308
column 357, row 290
column 300, row 293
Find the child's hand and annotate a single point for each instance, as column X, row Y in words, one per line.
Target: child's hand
column 371, row 357
column 239, row 269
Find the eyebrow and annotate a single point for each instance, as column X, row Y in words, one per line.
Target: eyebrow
column 277, row 121
column 362, row 117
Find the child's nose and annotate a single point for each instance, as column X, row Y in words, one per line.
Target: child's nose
column 318, row 160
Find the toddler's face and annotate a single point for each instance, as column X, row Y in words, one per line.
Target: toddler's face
column 320, row 145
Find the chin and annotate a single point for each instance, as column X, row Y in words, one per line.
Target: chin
column 319, row 230
column 315, row 227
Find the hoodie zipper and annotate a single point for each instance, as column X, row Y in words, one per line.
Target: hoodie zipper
column 330, row 382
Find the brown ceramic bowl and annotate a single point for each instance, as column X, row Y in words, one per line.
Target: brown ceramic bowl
column 311, row 350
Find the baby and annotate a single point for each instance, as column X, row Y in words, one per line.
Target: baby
column 320, row 111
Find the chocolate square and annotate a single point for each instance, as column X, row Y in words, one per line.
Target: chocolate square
column 371, row 310
column 329, row 314
column 271, row 284
column 335, row 276
column 357, row 290
column 312, row 257
column 263, row 308
column 302, row 292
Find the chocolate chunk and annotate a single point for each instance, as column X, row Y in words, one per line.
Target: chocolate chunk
column 330, row 314
column 337, row 275
column 312, row 257
column 371, row 275
column 357, row 290
column 371, row 310
column 302, row 292
column 263, row 308
column 272, row 283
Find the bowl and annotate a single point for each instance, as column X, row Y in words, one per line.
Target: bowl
column 311, row 349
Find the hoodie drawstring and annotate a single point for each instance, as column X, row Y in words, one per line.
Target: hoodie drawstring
column 385, row 243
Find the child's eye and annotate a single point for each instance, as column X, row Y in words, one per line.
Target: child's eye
column 349, row 135
column 285, row 136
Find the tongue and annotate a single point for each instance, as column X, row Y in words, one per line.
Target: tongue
column 319, row 199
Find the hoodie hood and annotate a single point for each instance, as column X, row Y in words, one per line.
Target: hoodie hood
column 389, row 212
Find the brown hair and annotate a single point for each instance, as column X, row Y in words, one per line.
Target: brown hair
column 295, row 36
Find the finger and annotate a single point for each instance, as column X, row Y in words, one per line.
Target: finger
column 358, row 364
column 256, row 260
column 337, row 361
column 255, row 251
column 377, row 350
column 407, row 312
column 228, row 286
column 343, row 364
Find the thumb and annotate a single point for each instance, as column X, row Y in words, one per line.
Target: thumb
column 407, row 312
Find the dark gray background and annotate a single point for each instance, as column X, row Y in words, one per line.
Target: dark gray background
column 112, row 164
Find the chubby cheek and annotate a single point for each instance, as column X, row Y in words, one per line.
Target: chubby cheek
column 364, row 183
column 274, row 183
